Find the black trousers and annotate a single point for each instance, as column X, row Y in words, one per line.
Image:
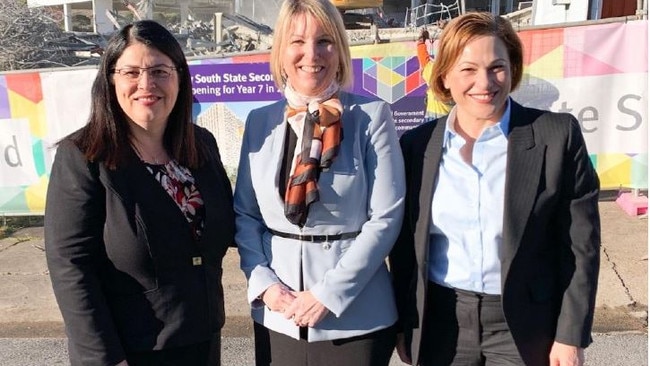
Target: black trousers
column 201, row 354
column 465, row 328
column 276, row 349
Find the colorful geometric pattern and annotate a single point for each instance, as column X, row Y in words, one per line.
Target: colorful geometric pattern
column 21, row 98
column 585, row 51
column 565, row 55
column 622, row 170
column 557, row 61
column 391, row 78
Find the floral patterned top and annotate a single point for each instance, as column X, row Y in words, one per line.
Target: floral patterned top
column 178, row 182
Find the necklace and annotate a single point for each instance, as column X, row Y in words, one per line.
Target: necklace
column 158, row 159
column 155, row 160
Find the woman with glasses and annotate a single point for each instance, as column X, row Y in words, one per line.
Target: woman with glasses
column 139, row 215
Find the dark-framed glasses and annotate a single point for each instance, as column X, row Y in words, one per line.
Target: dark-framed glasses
column 133, row 74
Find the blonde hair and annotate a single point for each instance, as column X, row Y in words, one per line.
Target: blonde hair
column 329, row 18
column 464, row 29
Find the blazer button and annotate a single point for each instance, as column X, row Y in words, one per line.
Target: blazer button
column 327, row 246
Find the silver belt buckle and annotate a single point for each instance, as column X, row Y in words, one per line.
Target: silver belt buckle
column 326, row 244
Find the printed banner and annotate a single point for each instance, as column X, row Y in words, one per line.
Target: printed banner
column 16, row 160
column 598, row 73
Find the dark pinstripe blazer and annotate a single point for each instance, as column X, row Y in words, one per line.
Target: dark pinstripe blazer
column 551, row 232
column 123, row 260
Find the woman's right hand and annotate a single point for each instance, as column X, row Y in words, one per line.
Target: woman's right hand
column 278, row 297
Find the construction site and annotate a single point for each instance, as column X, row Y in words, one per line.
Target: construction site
column 59, row 33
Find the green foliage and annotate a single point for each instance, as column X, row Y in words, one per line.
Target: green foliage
column 11, row 224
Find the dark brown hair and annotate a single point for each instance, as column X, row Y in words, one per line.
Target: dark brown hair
column 106, row 136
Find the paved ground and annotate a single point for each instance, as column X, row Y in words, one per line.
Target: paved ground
column 619, row 349
column 28, row 308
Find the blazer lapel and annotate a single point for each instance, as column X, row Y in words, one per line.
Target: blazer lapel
column 137, row 187
column 523, row 171
column 279, row 131
column 430, row 163
column 216, row 193
column 424, row 160
column 210, row 191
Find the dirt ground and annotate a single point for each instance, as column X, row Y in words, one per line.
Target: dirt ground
column 624, row 264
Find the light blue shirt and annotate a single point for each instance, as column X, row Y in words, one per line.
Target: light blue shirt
column 467, row 210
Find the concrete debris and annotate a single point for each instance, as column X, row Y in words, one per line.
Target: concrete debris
column 30, row 38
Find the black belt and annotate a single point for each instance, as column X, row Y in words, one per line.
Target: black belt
column 315, row 238
column 461, row 295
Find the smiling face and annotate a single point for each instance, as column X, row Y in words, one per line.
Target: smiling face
column 309, row 57
column 147, row 101
column 480, row 80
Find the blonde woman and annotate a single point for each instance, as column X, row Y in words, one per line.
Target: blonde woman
column 318, row 203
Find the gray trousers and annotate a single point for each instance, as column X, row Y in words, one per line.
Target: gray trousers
column 464, row 328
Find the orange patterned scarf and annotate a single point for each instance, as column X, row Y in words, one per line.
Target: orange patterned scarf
column 317, row 123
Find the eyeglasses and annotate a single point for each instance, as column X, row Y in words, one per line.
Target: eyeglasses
column 158, row 73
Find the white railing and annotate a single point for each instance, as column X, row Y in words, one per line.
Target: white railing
column 430, row 13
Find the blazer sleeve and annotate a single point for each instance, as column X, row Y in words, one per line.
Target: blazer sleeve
column 250, row 226
column 74, row 222
column 385, row 208
column 580, row 252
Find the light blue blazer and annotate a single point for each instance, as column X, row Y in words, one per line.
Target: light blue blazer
column 362, row 191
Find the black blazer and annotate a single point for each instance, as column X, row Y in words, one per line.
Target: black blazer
column 126, row 271
column 551, row 232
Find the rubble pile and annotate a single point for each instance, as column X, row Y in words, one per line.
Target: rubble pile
column 238, row 34
column 31, row 38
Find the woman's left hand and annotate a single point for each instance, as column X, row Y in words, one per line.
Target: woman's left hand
column 566, row 355
column 305, row 310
